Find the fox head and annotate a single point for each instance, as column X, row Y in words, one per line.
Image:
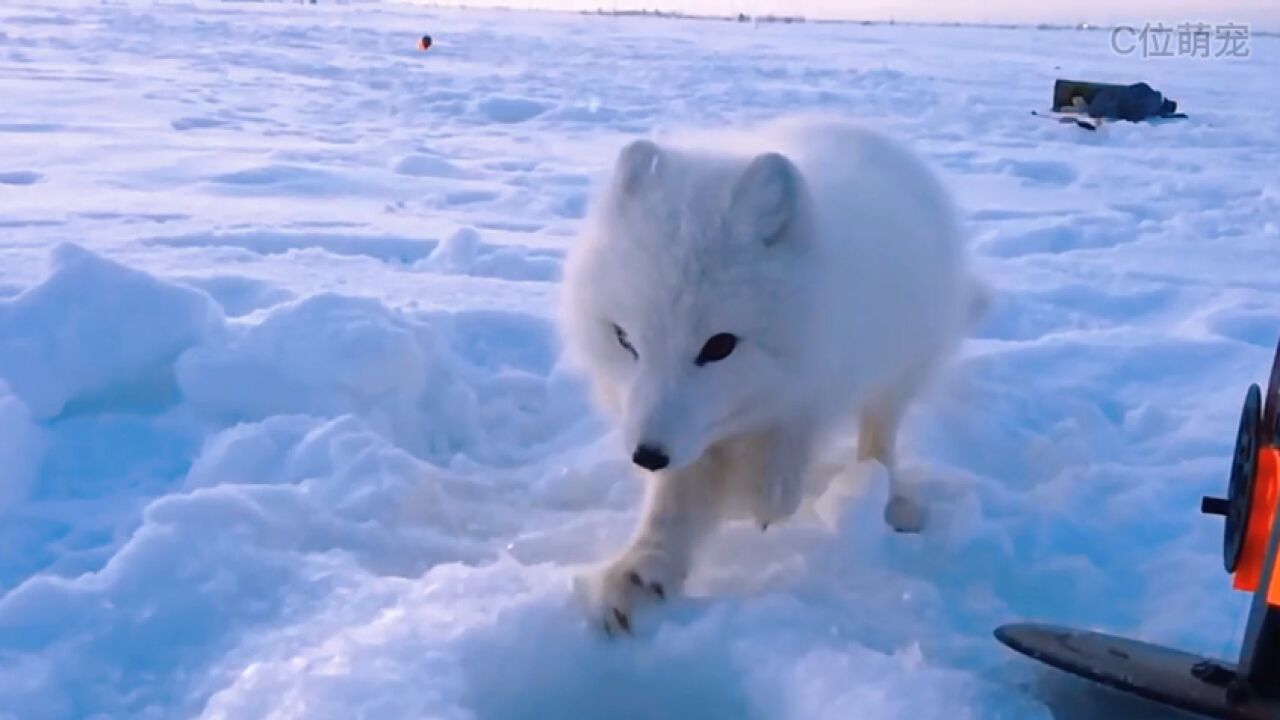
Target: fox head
column 686, row 298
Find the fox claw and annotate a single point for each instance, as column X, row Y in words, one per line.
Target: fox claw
column 624, row 622
column 645, row 575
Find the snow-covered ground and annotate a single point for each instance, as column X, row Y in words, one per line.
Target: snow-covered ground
column 283, row 432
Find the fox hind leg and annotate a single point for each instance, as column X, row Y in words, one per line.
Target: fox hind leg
column 877, row 440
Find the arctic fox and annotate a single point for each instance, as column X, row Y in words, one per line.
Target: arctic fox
column 733, row 301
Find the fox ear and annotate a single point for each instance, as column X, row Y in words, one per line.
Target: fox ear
column 640, row 162
column 763, row 199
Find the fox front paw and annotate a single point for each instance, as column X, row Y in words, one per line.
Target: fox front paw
column 636, row 579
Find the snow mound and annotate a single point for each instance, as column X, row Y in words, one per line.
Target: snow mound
column 510, row 110
column 324, row 355
column 22, row 446
column 464, row 253
column 301, row 508
column 429, row 166
column 98, row 333
column 240, row 295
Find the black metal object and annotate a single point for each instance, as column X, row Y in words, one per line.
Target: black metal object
column 1246, row 690
column 1066, row 91
column 1181, row 680
column 1238, row 504
column 1260, row 657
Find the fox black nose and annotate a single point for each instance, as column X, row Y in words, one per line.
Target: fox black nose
column 650, row 457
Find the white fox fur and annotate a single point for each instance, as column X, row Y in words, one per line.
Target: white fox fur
column 834, row 259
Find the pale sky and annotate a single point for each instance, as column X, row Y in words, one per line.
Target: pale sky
column 1262, row 14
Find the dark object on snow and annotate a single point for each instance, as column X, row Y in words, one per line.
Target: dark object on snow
column 1170, row 677
column 424, row 43
column 1248, row 689
column 1134, row 103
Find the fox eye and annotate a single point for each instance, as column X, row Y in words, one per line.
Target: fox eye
column 716, row 349
column 625, row 342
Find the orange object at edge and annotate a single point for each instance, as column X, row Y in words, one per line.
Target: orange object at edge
column 1262, row 514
